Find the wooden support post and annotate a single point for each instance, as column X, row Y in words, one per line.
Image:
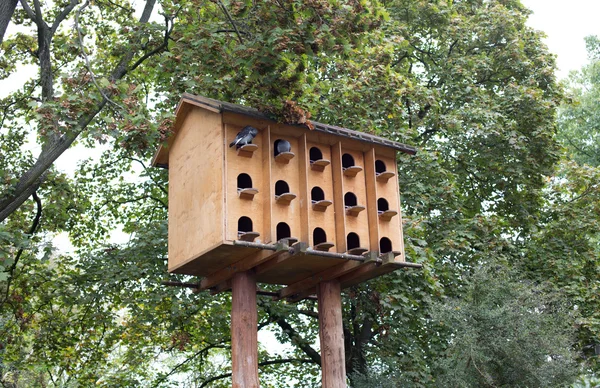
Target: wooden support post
column 331, row 334
column 244, row 341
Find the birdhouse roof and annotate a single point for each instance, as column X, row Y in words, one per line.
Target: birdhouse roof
column 189, row 100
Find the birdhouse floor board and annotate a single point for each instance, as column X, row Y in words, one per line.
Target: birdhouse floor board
column 366, row 272
column 213, row 260
column 307, row 285
column 242, row 265
column 293, row 268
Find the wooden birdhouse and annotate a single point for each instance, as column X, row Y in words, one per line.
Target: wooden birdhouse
column 313, row 210
column 331, row 194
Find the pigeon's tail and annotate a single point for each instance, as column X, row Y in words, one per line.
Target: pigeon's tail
column 232, row 144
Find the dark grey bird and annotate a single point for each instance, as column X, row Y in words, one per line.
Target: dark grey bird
column 282, row 146
column 244, row 137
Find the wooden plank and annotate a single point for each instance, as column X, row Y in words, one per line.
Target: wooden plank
column 390, row 191
column 331, row 335
column 321, row 217
column 242, row 265
column 306, row 286
column 195, row 185
column 244, row 337
column 235, row 166
column 305, row 203
column 289, row 269
column 267, row 187
column 287, row 212
column 370, row 182
column 213, row 259
column 357, row 222
column 338, row 198
column 369, row 271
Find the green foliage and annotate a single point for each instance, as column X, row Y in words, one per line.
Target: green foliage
column 466, row 81
column 506, row 332
column 579, row 118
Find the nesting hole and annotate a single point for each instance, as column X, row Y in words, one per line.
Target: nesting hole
column 352, row 241
column 315, row 154
column 380, row 166
column 244, row 224
column 347, row 161
column 350, row 199
column 382, row 205
column 244, row 181
column 317, row 194
column 385, row 245
column 283, row 231
column 319, row 236
column 281, row 187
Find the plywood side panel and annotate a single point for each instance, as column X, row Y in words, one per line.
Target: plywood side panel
column 289, row 173
column 357, row 185
column 371, row 199
column 390, row 191
column 267, row 187
column 324, row 180
column 195, row 187
column 338, row 197
column 304, row 192
column 236, row 165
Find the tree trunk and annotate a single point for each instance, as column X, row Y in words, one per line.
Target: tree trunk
column 7, row 8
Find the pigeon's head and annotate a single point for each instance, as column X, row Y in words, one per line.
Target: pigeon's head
column 253, row 131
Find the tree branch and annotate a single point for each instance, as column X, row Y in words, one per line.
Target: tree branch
column 62, row 16
column 85, row 57
column 16, row 194
column 32, row 229
column 164, row 45
column 182, row 363
column 231, row 21
column 7, row 9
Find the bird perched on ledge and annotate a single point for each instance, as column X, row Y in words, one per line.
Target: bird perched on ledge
column 244, row 137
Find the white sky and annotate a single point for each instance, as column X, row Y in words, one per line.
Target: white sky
column 566, row 23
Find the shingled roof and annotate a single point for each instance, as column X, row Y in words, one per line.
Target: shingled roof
column 221, row 106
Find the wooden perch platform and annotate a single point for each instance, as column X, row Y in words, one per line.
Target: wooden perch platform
column 384, row 176
column 319, row 165
column 321, row 206
column 354, row 210
column 247, row 193
column 284, row 157
column 248, row 236
column 357, row 251
column 247, row 150
column 285, row 198
column 324, row 246
column 386, row 215
column 352, row 171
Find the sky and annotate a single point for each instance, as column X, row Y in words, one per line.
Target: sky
column 566, row 23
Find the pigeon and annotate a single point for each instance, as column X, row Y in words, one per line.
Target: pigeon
column 244, row 137
column 282, row 146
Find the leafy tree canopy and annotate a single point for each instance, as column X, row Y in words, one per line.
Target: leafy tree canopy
column 467, row 81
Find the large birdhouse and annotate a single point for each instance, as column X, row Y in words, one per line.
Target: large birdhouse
column 241, row 184
column 251, row 201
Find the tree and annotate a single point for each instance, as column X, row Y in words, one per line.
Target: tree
column 578, row 118
column 467, row 81
column 506, row 332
